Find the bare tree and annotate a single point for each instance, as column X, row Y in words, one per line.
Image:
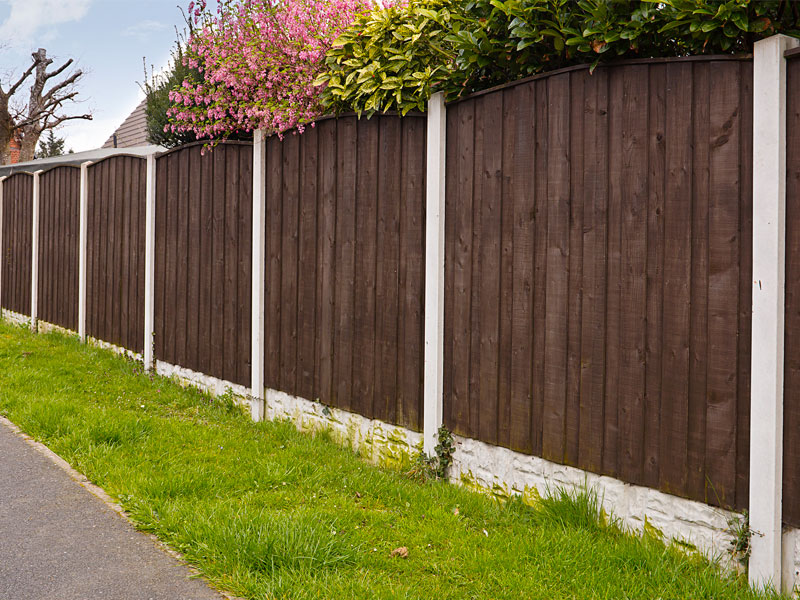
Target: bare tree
column 45, row 109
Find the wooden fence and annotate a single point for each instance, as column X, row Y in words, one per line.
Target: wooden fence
column 203, row 259
column 345, row 263
column 59, row 222
column 115, row 251
column 17, row 237
column 598, row 268
column 598, row 272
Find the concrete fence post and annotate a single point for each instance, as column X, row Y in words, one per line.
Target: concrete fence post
column 257, row 407
column 149, row 261
column 82, row 242
column 769, row 259
column 434, row 272
column 35, row 253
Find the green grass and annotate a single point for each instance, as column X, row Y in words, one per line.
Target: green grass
column 267, row 512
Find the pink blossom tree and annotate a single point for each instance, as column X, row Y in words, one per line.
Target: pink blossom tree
column 258, row 60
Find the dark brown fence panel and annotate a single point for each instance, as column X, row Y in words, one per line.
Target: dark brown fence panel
column 115, row 251
column 791, row 414
column 203, row 259
column 59, row 222
column 17, row 239
column 345, row 265
column 598, row 264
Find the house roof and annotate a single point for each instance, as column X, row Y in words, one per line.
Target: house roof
column 132, row 132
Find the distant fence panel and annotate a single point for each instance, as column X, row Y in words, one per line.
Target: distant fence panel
column 203, row 259
column 17, row 242
column 345, row 265
column 598, row 272
column 115, row 251
column 791, row 414
column 59, row 222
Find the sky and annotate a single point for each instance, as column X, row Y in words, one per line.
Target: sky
column 107, row 39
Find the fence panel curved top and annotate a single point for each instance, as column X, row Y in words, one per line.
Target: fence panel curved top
column 17, row 239
column 203, row 259
column 59, row 224
column 115, row 251
column 345, row 223
column 598, row 265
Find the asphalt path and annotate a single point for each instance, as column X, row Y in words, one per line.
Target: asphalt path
column 58, row 541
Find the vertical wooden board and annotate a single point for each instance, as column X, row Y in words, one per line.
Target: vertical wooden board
column 162, row 200
column 231, row 306
column 475, row 409
column 365, row 269
column 289, row 263
column 655, row 274
column 326, row 262
column 307, row 267
column 205, row 259
column 633, row 271
column 611, row 433
column 387, row 253
column 108, row 274
column 450, row 209
column 723, row 283
column 698, row 342
column 90, row 251
column 521, row 132
column 245, row 289
column 127, row 241
column 121, row 208
column 478, row 239
column 273, row 225
column 677, row 279
column 183, row 305
column 745, row 287
column 138, row 233
column 411, row 337
column 347, row 158
column 193, row 266
column 462, row 190
column 489, row 119
column 593, row 316
column 541, row 209
column 558, row 190
column 791, row 413
column 508, row 130
column 218, row 325
column 572, row 432
column 47, row 239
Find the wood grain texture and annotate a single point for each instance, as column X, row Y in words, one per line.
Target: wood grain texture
column 345, row 270
column 17, row 239
column 58, row 246
column 597, row 258
column 115, row 249
column 203, row 259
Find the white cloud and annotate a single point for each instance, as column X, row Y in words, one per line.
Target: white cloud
column 28, row 17
column 141, row 31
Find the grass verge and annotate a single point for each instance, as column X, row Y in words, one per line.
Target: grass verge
column 266, row 512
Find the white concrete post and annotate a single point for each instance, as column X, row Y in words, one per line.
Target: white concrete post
column 149, row 261
column 82, row 241
column 259, row 272
column 35, row 254
column 2, row 179
column 434, row 272
column 769, row 241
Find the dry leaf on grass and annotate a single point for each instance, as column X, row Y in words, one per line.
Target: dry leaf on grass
column 402, row 552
